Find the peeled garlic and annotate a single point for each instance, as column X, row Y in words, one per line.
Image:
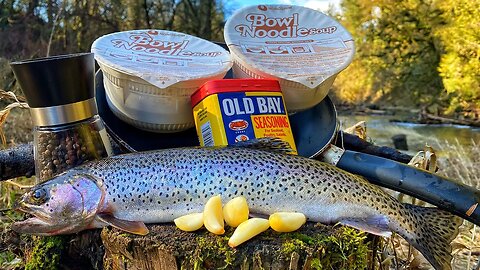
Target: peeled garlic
column 213, row 215
column 287, row 221
column 247, row 230
column 235, row 211
column 190, row 222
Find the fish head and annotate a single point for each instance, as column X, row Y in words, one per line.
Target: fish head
column 65, row 204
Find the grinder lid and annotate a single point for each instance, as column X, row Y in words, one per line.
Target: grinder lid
column 56, row 80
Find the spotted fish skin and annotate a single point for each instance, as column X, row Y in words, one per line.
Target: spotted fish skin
column 160, row 186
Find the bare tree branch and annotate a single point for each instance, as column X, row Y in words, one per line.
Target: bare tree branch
column 147, row 13
column 53, row 28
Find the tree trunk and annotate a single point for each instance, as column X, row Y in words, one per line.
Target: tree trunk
column 146, row 8
column 171, row 20
column 50, row 13
column 428, row 118
column 32, row 5
column 133, row 14
column 205, row 19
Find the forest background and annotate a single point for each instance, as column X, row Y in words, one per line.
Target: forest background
column 419, row 54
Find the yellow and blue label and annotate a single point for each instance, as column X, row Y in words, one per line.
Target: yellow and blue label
column 230, row 117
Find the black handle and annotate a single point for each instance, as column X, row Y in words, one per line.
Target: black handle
column 442, row 192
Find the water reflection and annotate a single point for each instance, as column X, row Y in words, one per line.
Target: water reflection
column 381, row 130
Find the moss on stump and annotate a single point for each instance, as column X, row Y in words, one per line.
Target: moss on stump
column 46, row 253
column 314, row 246
column 78, row 251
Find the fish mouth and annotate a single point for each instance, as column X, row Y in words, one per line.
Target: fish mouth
column 36, row 222
column 69, row 213
column 33, row 225
column 41, row 224
column 33, row 210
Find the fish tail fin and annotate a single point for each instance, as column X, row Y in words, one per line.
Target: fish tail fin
column 432, row 234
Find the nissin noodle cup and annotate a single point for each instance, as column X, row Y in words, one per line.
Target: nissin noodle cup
column 302, row 48
column 149, row 75
column 230, row 111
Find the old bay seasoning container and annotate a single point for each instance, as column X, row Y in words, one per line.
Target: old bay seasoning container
column 229, row 111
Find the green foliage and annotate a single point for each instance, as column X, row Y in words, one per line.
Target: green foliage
column 46, row 253
column 346, row 249
column 414, row 52
column 356, row 90
column 460, row 63
column 396, row 50
column 9, row 260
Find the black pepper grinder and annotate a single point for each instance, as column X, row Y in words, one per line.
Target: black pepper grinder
column 60, row 91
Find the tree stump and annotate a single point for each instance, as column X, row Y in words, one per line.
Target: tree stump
column 314, row 246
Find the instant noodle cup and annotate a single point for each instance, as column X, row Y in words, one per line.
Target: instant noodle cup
column 149, row 75
column 302, row 48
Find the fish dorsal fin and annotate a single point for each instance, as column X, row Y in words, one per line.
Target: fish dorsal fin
column 377, row 225
column 267, row 143
column 135, row 227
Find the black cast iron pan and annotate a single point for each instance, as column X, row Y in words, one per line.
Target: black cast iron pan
column 312, row 129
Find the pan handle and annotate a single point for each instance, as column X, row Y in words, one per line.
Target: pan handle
column 457, row 198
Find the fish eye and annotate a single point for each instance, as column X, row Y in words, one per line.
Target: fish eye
column 39, row 195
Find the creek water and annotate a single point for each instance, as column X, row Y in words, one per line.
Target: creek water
column 457, row 147
column 380, row 130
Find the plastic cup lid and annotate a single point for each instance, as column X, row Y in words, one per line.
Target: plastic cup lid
column 289, row 42
column 161, row 57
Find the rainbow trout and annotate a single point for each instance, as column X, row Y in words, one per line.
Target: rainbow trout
column 129, row 190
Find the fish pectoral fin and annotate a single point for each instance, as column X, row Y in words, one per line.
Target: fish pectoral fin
column 377, row 225
column 135, row 227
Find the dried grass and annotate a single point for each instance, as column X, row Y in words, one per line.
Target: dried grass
column 461, row 163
